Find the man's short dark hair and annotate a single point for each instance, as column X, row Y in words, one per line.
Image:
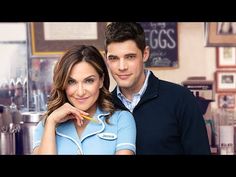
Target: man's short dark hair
column 123, row 31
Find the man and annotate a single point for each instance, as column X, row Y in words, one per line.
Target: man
column 167, row 116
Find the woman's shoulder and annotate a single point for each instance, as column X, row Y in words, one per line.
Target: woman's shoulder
column 39, row 127
column 123, row 115
column 122, row 112
column 40, row 124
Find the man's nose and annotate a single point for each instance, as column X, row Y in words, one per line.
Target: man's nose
column 122, row 65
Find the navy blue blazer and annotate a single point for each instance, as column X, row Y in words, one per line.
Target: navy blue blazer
column 168, row 120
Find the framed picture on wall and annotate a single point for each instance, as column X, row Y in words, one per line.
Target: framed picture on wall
column 54, row 38
column 226, row 100
column 220, row 34
column 225, row 81
column 226, row 57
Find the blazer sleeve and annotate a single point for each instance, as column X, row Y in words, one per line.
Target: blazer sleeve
column 194, row 136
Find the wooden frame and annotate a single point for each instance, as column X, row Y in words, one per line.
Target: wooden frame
column 226, row 57
column 226, row 100
column 225, row 81
column 44, row 42
column 220, row 34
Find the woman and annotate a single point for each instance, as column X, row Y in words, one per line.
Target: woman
column 81, row 119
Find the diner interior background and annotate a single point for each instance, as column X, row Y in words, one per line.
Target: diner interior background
column 25, row 80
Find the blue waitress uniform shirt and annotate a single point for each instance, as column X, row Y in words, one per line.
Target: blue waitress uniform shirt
column 97, row 138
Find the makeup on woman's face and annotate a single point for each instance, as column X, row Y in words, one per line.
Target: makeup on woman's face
column 83, row 87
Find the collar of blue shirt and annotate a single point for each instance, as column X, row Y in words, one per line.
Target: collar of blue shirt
column 68, row 129
column 130, row 104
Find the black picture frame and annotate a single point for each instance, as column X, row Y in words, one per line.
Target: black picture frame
column 162, row 38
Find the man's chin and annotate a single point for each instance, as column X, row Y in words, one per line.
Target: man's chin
column 124, row 85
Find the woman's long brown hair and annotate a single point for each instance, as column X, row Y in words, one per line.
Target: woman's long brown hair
column 62, row 71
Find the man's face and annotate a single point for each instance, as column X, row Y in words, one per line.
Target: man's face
column 126, row 63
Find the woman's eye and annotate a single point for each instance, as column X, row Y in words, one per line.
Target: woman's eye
column 70, row 82
column 89, row 81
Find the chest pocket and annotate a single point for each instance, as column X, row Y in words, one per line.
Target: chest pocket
column 107, row 136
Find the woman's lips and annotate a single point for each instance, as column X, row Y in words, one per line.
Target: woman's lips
column 81, row 99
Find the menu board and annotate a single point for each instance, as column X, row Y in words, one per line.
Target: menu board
column 162, row 38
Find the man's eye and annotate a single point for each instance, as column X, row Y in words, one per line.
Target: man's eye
column 130, row 57
column 112, row 58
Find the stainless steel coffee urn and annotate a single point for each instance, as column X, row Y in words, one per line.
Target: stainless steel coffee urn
column 8, row 139
column 8, row 130
column 30, row 121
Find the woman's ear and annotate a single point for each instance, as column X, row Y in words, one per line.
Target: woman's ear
column 101, row 82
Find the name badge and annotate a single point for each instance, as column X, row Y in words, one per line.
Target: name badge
column 107, row 136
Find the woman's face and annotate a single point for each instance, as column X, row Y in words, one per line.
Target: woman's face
column 83, row 86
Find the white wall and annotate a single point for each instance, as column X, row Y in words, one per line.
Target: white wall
column 194, row 58
column 13, row 51
column 12, row 32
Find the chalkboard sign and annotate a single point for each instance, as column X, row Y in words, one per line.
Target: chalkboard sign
column 162, row 38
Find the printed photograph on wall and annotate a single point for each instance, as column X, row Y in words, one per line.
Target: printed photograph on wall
column 226, row 28
column 225, row 81
column 226, row 100
column 162, row 38
column 226, row 57
column 221, row 34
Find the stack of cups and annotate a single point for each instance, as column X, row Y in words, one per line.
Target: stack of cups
column 226, row 132
column 226, row 139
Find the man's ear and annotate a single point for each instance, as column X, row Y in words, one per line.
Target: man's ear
column 146, row 53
